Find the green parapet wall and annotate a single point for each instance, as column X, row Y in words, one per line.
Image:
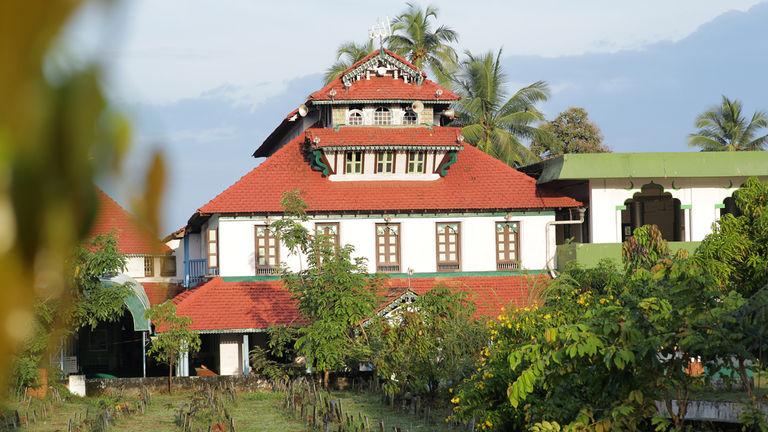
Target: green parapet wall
column 590, row 254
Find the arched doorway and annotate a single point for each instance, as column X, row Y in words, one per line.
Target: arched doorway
column 653, row 206
column 730, row 207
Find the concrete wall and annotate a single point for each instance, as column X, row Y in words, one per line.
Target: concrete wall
column 702, row 195
column 418, row 242
column 96, row 387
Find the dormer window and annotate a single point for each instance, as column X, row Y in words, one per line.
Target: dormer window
column 385, row 162
column 353, row 162
column 416, row 163
column 382, row 116
column 355, row 118
column 410, row 117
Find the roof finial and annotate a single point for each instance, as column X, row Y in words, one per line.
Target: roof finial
column 381, row 30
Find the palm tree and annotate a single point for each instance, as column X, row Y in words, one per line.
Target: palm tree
column 723, row 128
column 348, row 54
column 491, row 121
column 414, row 39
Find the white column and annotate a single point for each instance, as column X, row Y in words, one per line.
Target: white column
column 182, row 365
column 246, row 357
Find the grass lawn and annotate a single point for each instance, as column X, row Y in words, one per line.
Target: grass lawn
column 257, row 412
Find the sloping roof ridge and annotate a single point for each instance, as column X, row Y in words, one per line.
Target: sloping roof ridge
column 255, row 170
column 131, row 218
column 493, row 160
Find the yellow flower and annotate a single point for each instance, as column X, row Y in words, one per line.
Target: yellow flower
column 547, row 316
column 488, row 424
column 455, row 400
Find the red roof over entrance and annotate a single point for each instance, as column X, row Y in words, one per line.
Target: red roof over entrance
column 221, row 305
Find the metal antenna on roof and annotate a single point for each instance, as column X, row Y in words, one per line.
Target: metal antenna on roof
column 381, row 30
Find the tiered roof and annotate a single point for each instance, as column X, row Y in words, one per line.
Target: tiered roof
column 476, row 182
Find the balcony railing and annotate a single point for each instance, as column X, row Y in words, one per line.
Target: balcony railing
column 590, row 254
column 392, row 268
column 507, row 266
column 197, row 271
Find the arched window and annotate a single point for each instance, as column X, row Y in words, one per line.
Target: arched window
column 382, row 116
column 410, row 117
column 355, row 118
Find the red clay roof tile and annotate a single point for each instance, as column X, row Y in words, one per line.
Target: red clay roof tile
column 374, row 135
column 220, row 305
column 132, row 237
column 476, row 181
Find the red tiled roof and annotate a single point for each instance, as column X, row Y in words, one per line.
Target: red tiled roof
column 220, row 305
column 488, row 293
column 132, row 237
column 476, row 181
column 383, row 88
column 159, row 292
column 372, row 135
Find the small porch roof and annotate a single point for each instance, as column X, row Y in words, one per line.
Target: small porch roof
column 653, row 165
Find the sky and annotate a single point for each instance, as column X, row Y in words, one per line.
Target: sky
column 205, row 81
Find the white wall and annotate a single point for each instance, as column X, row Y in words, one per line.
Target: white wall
column 135, row 268
column 478, row 245
column 432, row 160
column 702, row 195
column 230, row 354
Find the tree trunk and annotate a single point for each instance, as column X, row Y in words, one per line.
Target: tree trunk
column 745, row 381
column 326, row 378
column 170, row 374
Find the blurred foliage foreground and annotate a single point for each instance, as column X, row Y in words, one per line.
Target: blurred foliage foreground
column 58, row 136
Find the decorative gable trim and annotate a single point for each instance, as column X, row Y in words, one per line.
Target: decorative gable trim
column 360, row 70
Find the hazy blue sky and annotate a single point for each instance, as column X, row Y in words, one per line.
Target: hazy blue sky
column 207, row 80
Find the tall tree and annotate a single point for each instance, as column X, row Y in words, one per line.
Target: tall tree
column 414, row 38
column 348, row 54
column 493, row 122
column 724, row 128
column 91, row 301
column 572, row 132
column 334, row 293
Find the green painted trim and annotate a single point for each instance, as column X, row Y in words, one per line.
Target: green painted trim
column 719, row 206
column 317, row 163
column 590, row 254
column 651, row 165
column 621, row 207
column 249, row 278
column 443, row 169
column 686, row 206
column 465, row 274
column 519, row 213
column 392, row 147
column 405, row 275
column 230, row 331
column 387, row 101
